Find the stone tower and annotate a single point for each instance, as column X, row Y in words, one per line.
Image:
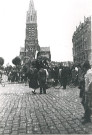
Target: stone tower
column 31, row 41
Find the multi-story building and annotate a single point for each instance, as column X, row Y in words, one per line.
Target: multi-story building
column 82, row 42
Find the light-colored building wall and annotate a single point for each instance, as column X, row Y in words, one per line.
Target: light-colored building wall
column 82, row 42
column 31, row 41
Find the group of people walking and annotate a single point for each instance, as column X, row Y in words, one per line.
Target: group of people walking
column 40, row 78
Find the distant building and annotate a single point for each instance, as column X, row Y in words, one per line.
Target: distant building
column 82, row 42
column 44, row 52
column 31, row 41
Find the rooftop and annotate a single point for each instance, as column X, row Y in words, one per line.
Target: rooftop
column 45, row 49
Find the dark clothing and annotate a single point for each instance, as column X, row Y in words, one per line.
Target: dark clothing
column 33, row 76
column 88, row 103
column 56, row 75
column 82, row 89
column 87, row 109
column 87, row 114
column 42, row 80
column 64, row 77
column 74, row 76
column 82, row 85
column 85, row 99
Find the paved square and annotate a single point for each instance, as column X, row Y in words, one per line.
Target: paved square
column 57, row 112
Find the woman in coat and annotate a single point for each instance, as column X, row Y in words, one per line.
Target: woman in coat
column 33, row 79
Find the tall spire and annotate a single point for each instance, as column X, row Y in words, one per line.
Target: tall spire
column 31, row 6
column 31, row 13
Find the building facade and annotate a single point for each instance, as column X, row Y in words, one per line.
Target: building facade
column 82, row 42
column 31, row 41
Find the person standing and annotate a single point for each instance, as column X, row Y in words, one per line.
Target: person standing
column 56, row 75
column 60, row 71
column 83, row 94
column 42, row 80
column 33, row 79
column 88, row 94
column 74, row 76
column 81, row 82
column 64, row 77
column 79, row 75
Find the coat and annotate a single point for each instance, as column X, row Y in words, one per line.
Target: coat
column 42, row 76
column 33, row 78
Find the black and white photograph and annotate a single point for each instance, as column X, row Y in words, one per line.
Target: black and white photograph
column 45, row 67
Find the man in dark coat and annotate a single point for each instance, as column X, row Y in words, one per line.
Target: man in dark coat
column 56, row 74
column 64, row 77
column 42, row 80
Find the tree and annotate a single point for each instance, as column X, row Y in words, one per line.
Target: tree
column 1, row 61
column 16, row 61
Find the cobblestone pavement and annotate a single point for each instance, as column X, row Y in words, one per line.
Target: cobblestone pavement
column 57, row 112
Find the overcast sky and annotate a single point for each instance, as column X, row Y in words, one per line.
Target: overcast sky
column 56, row 20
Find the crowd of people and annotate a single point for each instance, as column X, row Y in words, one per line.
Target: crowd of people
column 80, row 75
column 54, row 75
